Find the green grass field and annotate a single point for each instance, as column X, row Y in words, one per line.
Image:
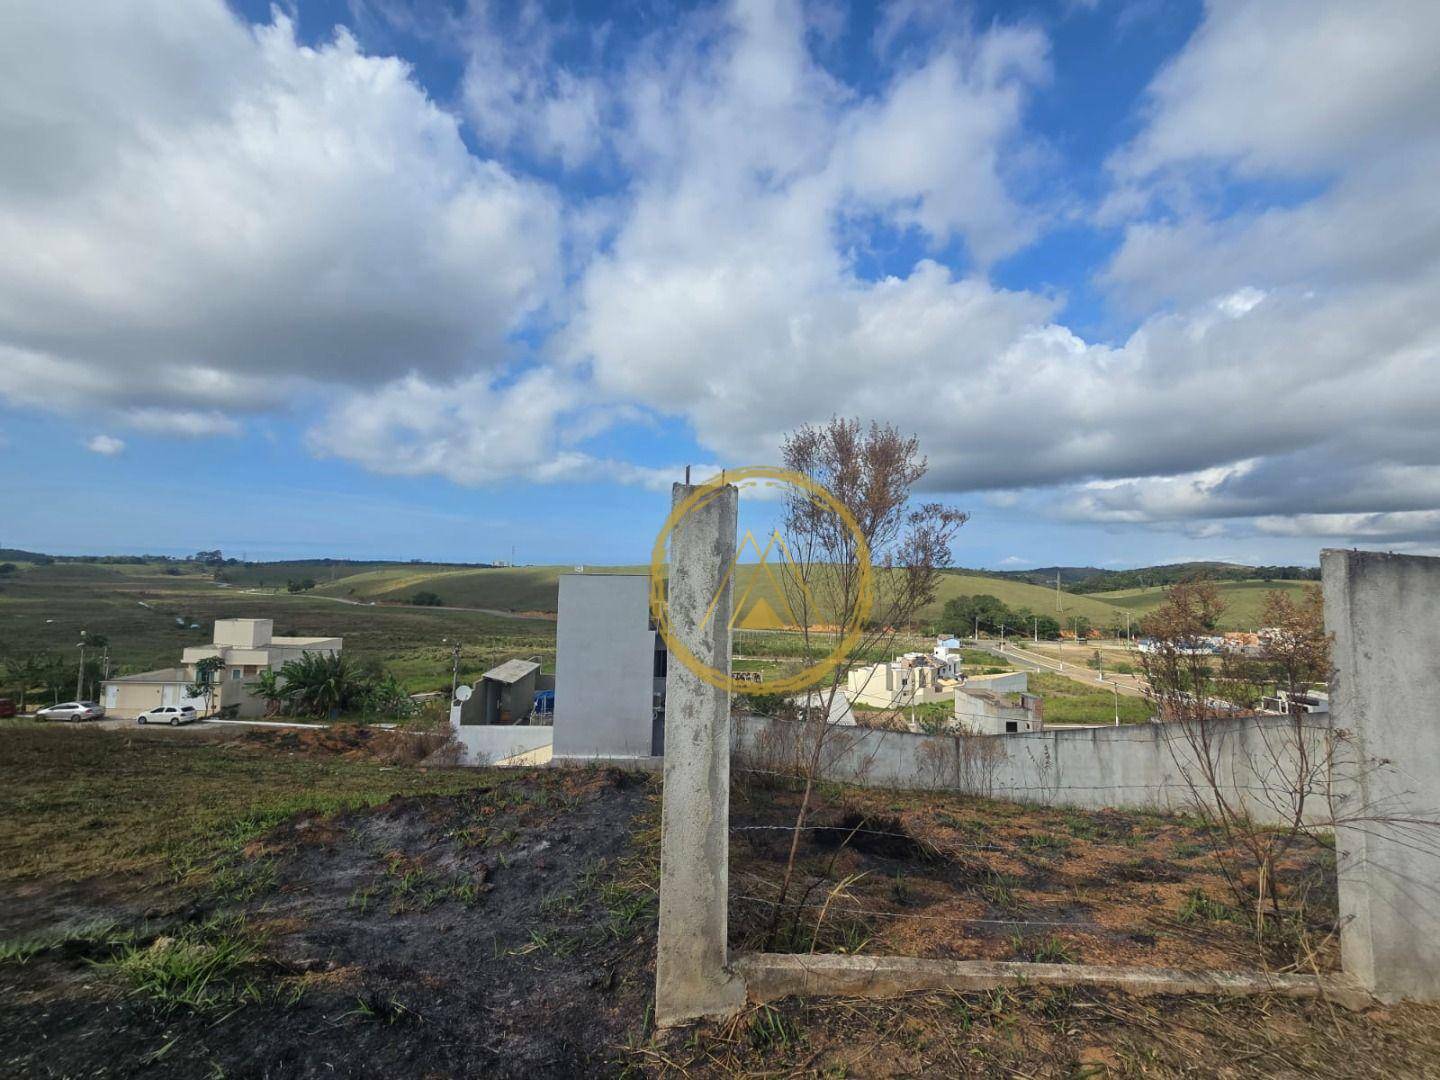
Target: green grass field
column 1070, row 702
column 536, row 588
column 75, row 803
column 146, row 614
column 1243, row 600
column 147, row 611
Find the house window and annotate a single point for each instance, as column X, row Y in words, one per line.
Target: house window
column 235, row 674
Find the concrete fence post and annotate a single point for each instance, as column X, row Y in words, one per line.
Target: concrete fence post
column 692, row 978
column 1384, row 611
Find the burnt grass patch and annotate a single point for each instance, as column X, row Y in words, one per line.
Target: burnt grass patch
column 507, row 930
column 957, row 877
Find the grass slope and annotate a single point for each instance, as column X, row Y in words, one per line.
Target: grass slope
column 136, row 608
column 76, row 803
column 536, row 588
column 1243, row 600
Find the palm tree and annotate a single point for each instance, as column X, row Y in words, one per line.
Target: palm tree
column 270, row 689
column 320, row 684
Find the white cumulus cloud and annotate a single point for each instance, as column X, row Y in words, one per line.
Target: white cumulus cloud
column 104, row 445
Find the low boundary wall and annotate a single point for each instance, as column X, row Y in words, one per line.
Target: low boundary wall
column 1133, row 766
column 488, row 744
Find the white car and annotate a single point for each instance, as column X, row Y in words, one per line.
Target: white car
column 72, row 710
column 174, row 715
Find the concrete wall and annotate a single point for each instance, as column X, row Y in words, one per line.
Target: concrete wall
column 983, row 712
column 493, row 744
column 1384, row 611
column 1133, row 766
column 604, row 667
column 1009, row 682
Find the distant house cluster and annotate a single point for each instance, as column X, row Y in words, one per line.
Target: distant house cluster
column 245, row 647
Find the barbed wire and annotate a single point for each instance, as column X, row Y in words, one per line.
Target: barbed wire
column 1152, row 732
column 849, row 909
column 997, row 789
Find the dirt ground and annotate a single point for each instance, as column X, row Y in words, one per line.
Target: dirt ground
column 306, row 922
column 404, row 941
column 962, row 878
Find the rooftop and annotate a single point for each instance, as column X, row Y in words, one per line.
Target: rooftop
column 512, row 671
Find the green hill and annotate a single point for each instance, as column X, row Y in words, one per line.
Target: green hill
column 1243, row 600
column 536, row 588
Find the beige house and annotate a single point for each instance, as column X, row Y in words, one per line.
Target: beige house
column 912, row 679
column 247, row 646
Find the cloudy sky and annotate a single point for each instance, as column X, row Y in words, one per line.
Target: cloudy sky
column 1150, row 280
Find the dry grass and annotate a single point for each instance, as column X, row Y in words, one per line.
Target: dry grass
column 953, row 877
column 1050, row 1032
column 77, row 803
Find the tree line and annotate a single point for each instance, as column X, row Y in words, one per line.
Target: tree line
column 963, row 614
column 1180, row 573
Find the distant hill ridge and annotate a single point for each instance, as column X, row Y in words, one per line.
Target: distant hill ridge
column 1089, row 579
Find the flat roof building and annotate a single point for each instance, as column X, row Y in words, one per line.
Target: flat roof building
column 246, row 646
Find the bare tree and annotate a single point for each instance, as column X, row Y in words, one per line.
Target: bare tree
column 838, row 605
column 1198, row 685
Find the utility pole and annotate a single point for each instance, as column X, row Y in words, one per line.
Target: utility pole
column 454, row 670
column 1116, row 691
column 1036, row 620
column 1057, row 590
column 977, row 629
column 80, row 674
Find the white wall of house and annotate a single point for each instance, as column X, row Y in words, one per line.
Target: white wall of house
column 604, row 667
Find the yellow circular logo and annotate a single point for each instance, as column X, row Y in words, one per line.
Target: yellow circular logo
column 762, row 612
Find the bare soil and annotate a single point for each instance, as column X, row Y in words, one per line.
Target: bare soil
column 951, row 877
column 501, row 923
column 406, row 936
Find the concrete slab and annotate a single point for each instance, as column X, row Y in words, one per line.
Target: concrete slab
column 771, row 976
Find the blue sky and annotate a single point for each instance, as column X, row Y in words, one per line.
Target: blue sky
column 1150, row 281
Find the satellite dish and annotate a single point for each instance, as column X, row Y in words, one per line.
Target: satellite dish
column 462, row 693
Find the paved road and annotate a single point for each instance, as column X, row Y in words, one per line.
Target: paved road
column 1126, row 684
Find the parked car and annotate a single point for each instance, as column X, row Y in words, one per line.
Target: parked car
column 174, row 715
column 7, row 708
column 72, row 710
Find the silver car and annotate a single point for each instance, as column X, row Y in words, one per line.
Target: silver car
column 174, row 715
column 72, row 710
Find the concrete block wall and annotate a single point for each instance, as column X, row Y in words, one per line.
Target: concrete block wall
column 1384, row 611
column 1133, row 766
